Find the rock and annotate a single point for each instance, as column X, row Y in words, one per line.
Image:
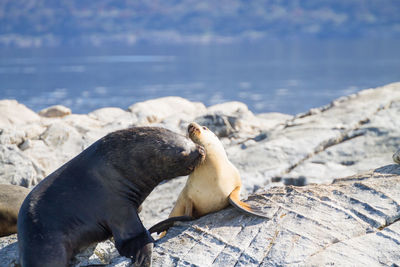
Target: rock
column 56, row 111
column 14, row 113
column 11, row 136
column 221, row 125
column 350, row 222
column 233, row 108
column 108, row 115
column 368, row 145
column 351, row 135
column 18, row 169
column 59, row 143
column 305, row 145
column 228, row 119
column 271, row 120
column 25, row 145
column 156, row 110
column 9, row 251
column 396, row 156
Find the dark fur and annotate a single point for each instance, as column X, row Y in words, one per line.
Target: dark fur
column 96, row 195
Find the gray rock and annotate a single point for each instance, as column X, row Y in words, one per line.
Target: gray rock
column 221, row 125
column 353, row 222
column 25, row 145
column 305, row 145
column 56, row 111
column 18, row 169
column 14, row 113
column 59, row 143
column 114, row 118
column 11, row 136
column 396, row 156
column 156, row 110
column 9, row 251
column 231, row 119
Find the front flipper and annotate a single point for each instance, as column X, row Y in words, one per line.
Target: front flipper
column 247, row 208
column 168, row 223
column 143, row 256
column 131, row 238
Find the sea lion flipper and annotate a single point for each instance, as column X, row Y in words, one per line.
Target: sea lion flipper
column 168, row 223
column 235, row 201
column 130, row 236
column 143, row 256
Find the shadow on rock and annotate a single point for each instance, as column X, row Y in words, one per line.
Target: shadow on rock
column 389, row 169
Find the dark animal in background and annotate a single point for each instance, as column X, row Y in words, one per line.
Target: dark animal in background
column 11, row 198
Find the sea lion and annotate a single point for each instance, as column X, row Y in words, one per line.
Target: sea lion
column 211, row 186
column 96, row 195
column 11, row 198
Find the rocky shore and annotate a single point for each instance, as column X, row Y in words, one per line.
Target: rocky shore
column 321, row 223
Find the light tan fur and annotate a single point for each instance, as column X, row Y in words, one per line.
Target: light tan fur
column 11, row 198
column 210, row 184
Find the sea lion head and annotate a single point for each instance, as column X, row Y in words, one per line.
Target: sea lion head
column 152, row 152
column 203, row 136
column 180, row 154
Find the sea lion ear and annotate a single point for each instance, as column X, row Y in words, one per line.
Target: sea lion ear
column 205, row 128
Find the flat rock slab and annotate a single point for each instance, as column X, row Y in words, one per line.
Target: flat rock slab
column 352, row 222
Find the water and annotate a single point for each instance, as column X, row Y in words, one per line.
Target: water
column 288, row 76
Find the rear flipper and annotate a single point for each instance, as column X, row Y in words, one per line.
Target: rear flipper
column 245, row 207
column 166, row 224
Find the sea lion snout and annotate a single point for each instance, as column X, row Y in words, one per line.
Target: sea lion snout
column 193, row 129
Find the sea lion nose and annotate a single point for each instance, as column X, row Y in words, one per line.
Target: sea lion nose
column 191, row 128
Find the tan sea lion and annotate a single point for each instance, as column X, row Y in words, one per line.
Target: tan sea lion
column 211, row 186
column 11, row 198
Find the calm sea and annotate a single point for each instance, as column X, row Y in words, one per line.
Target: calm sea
column 287, row 76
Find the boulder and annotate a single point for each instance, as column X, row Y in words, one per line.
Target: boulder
column 351, row 135
column 56, row 111
column 396, row 156
column 18, row 169
column 14, row 113
column 108, row 115
column 271, row 120
column 230, row 119
column 59, row 143
column 156, row 110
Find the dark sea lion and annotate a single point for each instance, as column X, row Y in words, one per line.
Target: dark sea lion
column 96, row 195
column 11, row 198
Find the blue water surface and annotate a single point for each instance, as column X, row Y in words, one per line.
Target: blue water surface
column 276, row 76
